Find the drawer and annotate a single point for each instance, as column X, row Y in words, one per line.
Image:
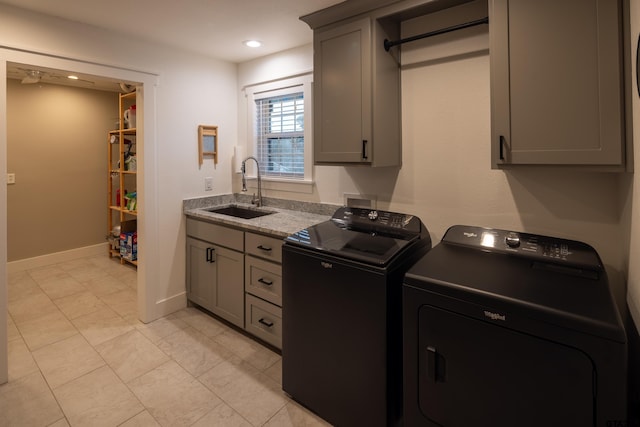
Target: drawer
column 264, row 320
column 264, row 247
column 263, row 279
column 223, row 236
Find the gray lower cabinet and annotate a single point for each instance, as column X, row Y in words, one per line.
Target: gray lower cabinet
column 263, row 287
column 264, row 320
column 215, row 274
column 236, row 275
column 263, row 279
column 556, row 82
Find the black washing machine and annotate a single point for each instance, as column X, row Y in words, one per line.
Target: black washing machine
column 342, row 305
column 511, row 329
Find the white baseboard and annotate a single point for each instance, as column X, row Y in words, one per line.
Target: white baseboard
column 57, row 257
column 169, row 305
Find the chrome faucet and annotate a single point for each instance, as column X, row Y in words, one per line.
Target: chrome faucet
column 256, row 200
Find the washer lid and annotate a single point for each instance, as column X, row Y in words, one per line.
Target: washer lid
column 372, row 237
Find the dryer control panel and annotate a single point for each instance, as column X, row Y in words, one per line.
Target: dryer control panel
column 541, row 248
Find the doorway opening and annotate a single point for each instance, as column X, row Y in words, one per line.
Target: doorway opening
column 146, row 84
column 63, row 168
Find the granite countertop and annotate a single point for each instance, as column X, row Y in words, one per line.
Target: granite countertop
column 287, row 217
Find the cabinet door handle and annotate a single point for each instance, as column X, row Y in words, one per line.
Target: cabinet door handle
column 264, row 248
column 210, row 255
column 364, row 149
column 502, row 142
column 266, row 323
column 265, row 282
column 638, row 65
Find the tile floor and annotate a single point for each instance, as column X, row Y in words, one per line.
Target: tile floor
column 78, row 356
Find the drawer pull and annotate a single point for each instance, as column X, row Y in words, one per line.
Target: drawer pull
column 266, row 323
column 265, row 282
column 264, row 248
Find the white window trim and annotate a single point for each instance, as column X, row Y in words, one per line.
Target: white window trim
column 264, row 90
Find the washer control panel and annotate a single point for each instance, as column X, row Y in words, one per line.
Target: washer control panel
column 542, row 248
column 371, row 220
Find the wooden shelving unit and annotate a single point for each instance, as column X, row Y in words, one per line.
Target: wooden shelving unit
column 121, row 143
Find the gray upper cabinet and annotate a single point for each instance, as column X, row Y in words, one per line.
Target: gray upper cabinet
column 356, row 95
column 556, row 83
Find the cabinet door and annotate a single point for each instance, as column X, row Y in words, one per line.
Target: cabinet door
column 201, row 273
column 556, row 82
column 342, row 95
column 215, row 279
column 229, row 289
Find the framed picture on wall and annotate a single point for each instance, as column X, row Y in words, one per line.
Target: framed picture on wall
column 207, row 143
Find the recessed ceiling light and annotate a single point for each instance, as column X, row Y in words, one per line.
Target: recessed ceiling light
column 72, row 77
column 253, row 43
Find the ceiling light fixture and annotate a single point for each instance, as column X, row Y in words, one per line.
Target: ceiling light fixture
column 72, row 77
column 253, row 43
column 33, row 76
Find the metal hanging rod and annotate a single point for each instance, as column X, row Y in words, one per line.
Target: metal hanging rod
column 389, row 44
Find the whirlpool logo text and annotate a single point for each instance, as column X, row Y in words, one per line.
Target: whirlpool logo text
column 495, row 316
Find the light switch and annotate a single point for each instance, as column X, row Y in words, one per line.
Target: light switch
column 208, row 184
column 11, row 178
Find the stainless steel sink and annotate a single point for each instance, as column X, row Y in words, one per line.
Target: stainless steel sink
column 239, row 211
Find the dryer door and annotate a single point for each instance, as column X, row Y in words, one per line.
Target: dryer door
column 474, row 373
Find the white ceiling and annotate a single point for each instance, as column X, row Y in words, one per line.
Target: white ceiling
column 215, row 28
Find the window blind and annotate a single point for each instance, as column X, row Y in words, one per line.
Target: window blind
column 280, row 135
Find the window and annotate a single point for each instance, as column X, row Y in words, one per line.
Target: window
column 280, row 135
column 280, row 120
